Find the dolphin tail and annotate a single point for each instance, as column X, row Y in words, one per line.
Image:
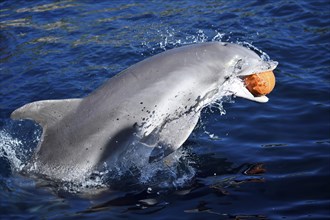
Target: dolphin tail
column 46, row 112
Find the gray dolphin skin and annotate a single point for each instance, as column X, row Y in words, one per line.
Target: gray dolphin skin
column 154, row 104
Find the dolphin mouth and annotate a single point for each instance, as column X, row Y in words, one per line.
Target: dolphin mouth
column 238, row 88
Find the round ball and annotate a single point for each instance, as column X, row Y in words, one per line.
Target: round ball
column 260, row 84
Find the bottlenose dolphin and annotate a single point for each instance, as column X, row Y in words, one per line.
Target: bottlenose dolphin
column 155, row 103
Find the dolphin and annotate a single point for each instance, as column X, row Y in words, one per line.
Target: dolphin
column 155, row 103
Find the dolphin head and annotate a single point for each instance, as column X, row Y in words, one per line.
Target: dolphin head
column 245, row 62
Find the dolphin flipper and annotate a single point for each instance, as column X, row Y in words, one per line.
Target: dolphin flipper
column 46, row 112
column 172, row 135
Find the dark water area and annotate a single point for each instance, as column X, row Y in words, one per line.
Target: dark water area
column 256, row 161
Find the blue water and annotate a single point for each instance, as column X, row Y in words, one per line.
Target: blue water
column 256, row 161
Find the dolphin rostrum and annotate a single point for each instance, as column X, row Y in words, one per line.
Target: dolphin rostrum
column 155, row 103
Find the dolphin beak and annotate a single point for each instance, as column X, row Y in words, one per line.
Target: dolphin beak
column 239, row 88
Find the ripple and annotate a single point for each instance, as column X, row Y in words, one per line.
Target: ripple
column 47, row 7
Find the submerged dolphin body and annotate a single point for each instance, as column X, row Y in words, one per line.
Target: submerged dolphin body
column 155, row 103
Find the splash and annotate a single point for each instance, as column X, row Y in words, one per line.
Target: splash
column 132, row 170
column 11, row 149
column 263, row 55
column 174, row 171
column 170, row 38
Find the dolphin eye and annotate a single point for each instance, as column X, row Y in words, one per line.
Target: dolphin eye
column 269, row 66
column 239, row 65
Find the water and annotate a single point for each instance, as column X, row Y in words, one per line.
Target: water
column 244, row 160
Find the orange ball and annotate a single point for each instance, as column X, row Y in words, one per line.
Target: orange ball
column 260, row 84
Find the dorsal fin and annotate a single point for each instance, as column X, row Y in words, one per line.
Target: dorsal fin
column 46, row 112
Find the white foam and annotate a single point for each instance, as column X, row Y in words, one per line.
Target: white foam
column 11, row 149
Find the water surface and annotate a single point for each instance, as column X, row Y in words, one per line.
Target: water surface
column 256, row 161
